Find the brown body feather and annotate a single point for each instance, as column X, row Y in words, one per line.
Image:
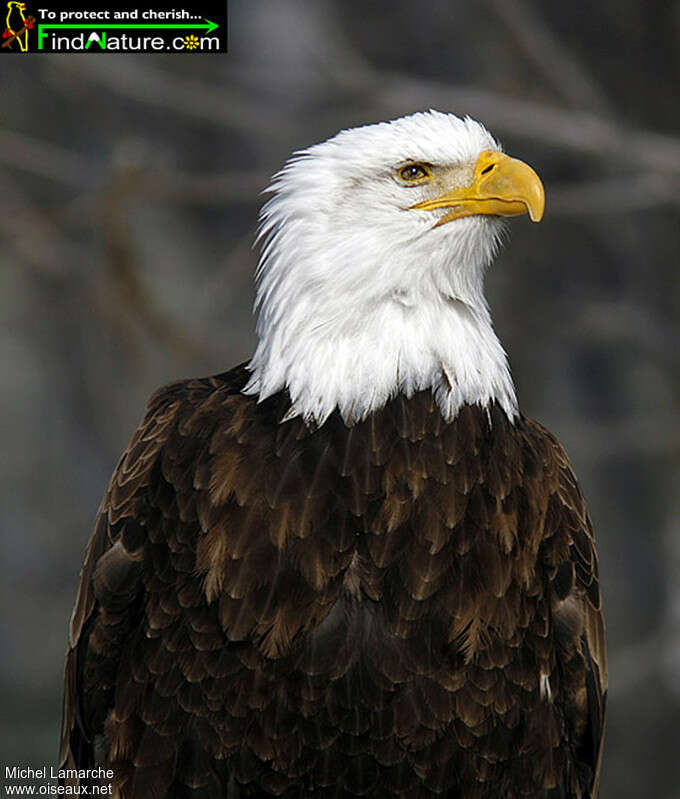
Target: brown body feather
column 407, row 607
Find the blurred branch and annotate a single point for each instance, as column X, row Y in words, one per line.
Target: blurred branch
column 38, row 241
column 652, row 436
column 242, row 252
column 44, row 159
column 632, row 323
column 550, row 57
column 613, row 195
column 643, row 660
column 124, row 291
column 34, row 237
column 226, row 188
column 25, row 154
column 186, row 97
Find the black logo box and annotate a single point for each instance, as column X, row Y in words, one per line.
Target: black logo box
column 170, row 21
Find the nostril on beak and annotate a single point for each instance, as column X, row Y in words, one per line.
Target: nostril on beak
column 487, row 169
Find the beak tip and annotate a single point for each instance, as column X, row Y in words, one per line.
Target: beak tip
column 536, row 207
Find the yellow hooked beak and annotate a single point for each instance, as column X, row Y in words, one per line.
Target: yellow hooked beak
column 502, row 186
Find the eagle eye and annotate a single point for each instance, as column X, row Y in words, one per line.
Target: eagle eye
column 414, row 172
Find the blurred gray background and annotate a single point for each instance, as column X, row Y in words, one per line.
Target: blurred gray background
column 129, row 193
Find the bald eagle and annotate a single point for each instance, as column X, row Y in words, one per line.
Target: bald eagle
column 350, row 567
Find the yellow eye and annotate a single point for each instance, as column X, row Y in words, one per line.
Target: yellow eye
column 413, row 172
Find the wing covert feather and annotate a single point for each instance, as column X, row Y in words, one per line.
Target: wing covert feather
column 106, row 603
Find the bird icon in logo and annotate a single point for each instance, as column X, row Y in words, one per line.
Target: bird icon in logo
column 17, row 25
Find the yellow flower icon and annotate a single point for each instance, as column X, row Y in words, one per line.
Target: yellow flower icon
column 191, row 42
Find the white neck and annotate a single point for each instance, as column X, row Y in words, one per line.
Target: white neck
column 349, row 322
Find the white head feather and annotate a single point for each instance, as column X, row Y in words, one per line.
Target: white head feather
column 359, row 297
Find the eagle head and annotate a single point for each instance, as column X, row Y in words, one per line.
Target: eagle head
column 374, row 246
